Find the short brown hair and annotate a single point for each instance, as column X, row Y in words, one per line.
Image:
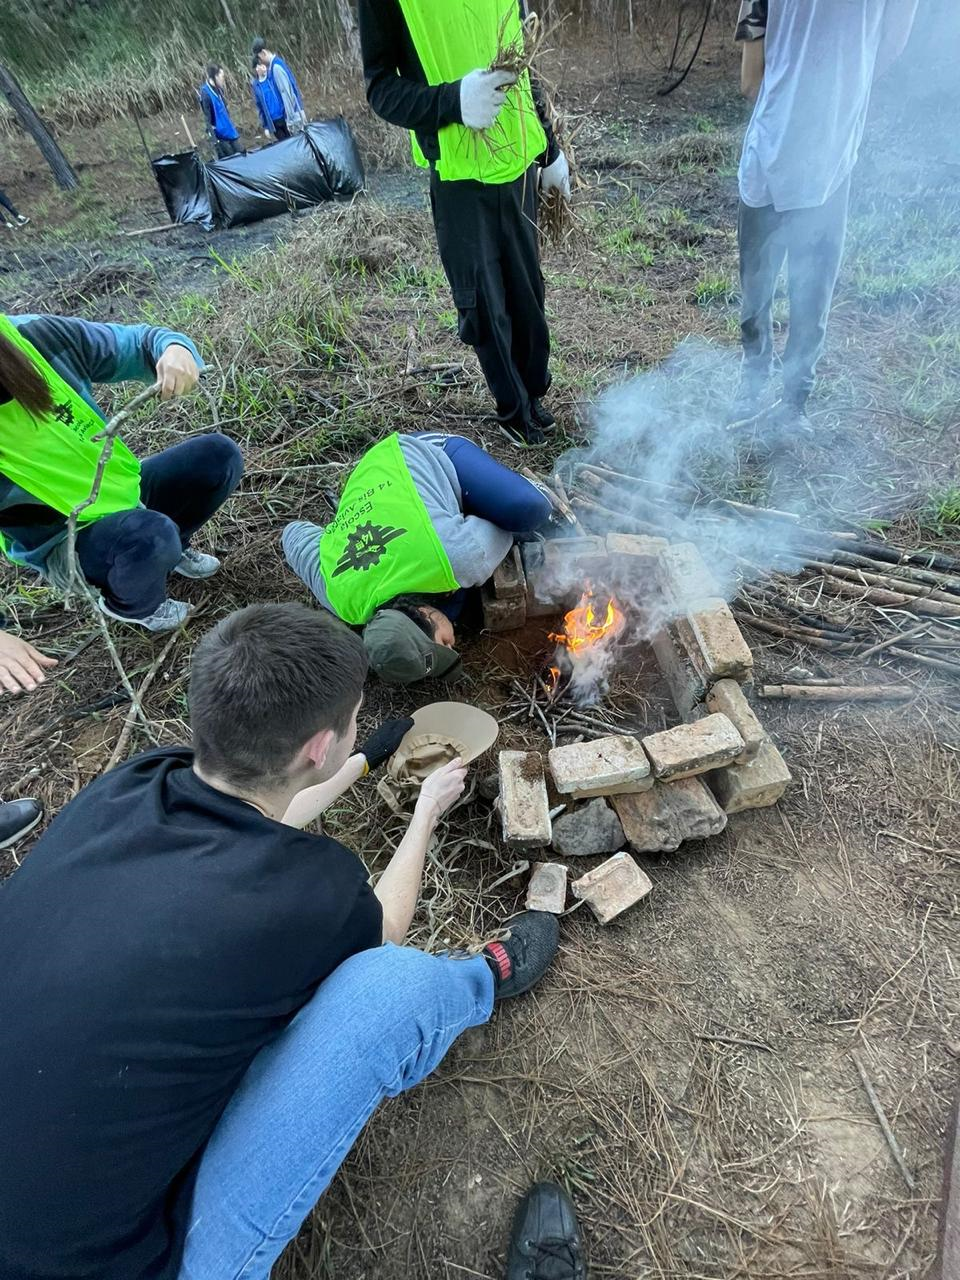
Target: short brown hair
column 264, row 681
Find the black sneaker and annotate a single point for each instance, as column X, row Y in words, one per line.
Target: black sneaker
column 546, row 1243
column 520, row 432
column 17, row 818
column 541, row 415
column 787, row 424
column 524, row 954
column 754, row 398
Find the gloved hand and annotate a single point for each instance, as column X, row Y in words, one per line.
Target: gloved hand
column 482, row 94
column 556, row 177
column 384, row 740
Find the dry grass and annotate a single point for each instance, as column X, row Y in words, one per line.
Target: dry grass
column 824, row 926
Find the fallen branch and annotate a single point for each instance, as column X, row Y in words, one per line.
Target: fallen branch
column 75, row 579
column 840, row 692
column 890, row 599
column 884, row 1123
column 131, row 717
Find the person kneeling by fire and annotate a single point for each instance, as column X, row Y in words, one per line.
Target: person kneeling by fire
column 421, row 519
column 138, row 529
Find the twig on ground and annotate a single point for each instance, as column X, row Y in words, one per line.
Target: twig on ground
column 884, row 1123
column 131, row 717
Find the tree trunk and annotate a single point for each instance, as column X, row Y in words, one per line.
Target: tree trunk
column 58, row 162
column 351, row 34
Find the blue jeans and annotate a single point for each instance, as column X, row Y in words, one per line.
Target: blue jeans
column 494, row 492
column 380, row 1024
column 129, row 554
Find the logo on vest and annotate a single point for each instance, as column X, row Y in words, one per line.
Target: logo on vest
column 63, row 412
column 366, row 546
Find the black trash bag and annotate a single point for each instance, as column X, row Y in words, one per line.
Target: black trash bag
column 321, row 163
column 183, row 185
column 337, row 152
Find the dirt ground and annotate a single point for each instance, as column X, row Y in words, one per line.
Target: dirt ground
column 687, row 1071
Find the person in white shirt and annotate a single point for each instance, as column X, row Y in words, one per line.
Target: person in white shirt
column 810, row 65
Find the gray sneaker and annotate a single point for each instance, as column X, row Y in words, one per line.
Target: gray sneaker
column 194, row 564
column 166, row 617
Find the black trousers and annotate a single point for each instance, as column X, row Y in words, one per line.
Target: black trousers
column 227, row 147
column 811, row 241
column 280, row 130
column 487, row 237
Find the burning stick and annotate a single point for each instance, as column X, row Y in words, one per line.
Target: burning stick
column 584, row 655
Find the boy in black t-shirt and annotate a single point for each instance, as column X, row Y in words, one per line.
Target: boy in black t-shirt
column 202, row 1005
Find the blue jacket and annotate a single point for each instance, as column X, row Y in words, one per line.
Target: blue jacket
column 82, row 352
column 286, row 87
column 268, row 102
column 215, row 110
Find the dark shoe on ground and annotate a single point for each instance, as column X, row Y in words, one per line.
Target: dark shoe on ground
column 546, row 1243
column 541, row 415
column 521, row 958
column 520, row 432
column 17, row 818
column 754, row 398
column 787, row 425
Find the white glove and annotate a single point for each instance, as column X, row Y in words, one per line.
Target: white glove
column 482, row 94
column 556, row 177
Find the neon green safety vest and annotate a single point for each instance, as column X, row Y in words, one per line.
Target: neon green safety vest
column 452, row 38
column 52, row 456
column 381, row 542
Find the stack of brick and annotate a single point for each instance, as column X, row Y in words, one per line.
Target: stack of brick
column 676, row 785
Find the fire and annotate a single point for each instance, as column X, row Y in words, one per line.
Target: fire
column 583, row 644
column 586, row 625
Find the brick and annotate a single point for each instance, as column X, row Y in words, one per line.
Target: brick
column 727, row 698
column 630, row 550
column 683, row 576
column 568, row 564
column 524, row 807
column 599, row 765
column 540, row 600
column 612, row 887
column 687, row 685
column 754, row 785
column 689, row 749
column 658, row 821
column 624, row 789
column 547, row 890
column 509, row 582
column 502, row 615
column 722, row 651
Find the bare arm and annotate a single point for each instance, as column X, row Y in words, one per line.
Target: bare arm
column 897, row 25
column 307, row 805
column 751, row 68
column 399, row 886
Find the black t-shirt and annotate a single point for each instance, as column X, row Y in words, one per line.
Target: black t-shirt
column 158, row 935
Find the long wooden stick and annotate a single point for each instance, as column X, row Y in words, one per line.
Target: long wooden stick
column 840, row 692
column 884, row 1123
column 888, row 582
column 131, row 717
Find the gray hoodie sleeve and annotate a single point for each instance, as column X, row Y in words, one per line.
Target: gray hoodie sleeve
column 301, row 547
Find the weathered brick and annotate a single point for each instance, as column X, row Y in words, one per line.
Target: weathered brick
column 754, row 785
column 683, row 577
column 624, row 789
column 508, row 579
column 689, row 749
column 727, row 698
column 524, row 806
column 502, row 615
column 635, row 549
column 540, row 598
column 547, row 890
column 723, row 652
column 599, row 765
column 612, row 887
column 687, row 685
column 658, row 821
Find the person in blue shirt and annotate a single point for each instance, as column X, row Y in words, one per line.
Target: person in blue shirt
column 213, row 102
column 47, row 366
column 268, row 103
column 284, row 83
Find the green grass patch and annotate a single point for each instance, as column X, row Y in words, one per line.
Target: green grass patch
column 714, row 287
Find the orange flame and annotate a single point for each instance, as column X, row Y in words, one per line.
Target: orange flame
column 586, row 625
column 584, row 628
